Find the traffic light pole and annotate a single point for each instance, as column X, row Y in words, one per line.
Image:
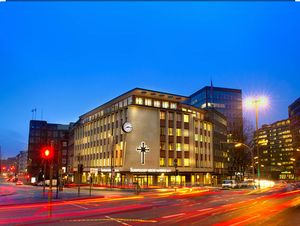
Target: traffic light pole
column 44, row 182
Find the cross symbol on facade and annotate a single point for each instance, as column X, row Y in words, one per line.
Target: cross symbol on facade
column 143, row 149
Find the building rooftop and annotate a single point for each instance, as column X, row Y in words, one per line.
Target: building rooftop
column 218, row 89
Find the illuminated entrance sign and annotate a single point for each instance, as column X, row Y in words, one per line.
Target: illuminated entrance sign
column 133, row 170
column 143, row 149
column 108, row 170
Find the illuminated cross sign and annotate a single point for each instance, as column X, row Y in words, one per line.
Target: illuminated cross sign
column 143, row 149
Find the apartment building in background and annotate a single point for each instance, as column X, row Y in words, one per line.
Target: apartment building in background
column 41, row 134
column 274, row 143
column 294, row 116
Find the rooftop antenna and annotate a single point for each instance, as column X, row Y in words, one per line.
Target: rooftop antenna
column 33, row 111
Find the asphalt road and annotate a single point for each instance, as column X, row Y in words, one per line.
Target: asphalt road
column 276, row 206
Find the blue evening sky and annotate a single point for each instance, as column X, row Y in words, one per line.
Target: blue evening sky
column 66, row 58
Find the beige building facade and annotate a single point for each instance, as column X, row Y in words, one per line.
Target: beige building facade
column 137, row 136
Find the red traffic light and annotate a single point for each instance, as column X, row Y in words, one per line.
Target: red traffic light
column 47, row 153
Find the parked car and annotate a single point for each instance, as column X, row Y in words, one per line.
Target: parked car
column 19, row 182
column 229, row 184
column 248, row 183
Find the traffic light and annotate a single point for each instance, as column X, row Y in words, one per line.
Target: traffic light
column 47, row 153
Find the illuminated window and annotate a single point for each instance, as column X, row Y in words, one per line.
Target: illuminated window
column 170, row 162
column 208, row 127
column 148, row 102
column 139, row 100
column 165, row 104
column 186, row 147
column 186, row 132
column 179, row 162
column 178, row 146
column 156, row 103
column 162, row 162
column 178, row 132
column 163, row 115
column 186, row 162
column 162, row 131
column 171, row 146
column 173, row 105
column 170, row 131
column 186, row 118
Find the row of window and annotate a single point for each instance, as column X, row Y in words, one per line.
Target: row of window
column 109, row 110
column 155, row 103
column 103, row 124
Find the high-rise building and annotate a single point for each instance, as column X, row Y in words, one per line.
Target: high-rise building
column 294, row 116
column 144, row 136
column 220, row 152
column 274, row 143
column 225, row 100
column 41, row 134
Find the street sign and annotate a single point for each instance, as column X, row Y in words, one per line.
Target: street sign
column 93, row 170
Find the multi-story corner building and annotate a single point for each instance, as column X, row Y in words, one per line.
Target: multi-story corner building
column 22, row 162
column 225, row 100
column 140, row 136
column 220, row 152
column 275, row 147
column 294, row 116
column 9, row 166
column 41, row 134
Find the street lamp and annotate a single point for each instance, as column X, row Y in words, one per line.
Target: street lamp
column 252, row 156
column 256, row 103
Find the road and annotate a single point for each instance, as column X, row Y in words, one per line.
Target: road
column 205, row 206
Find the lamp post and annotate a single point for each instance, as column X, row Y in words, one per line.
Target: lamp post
column 257, row 102
column 252, row 156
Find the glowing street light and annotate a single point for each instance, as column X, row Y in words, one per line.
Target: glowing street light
column 256, row 103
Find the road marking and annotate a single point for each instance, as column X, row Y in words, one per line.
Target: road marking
column 82, row 207
column 248, row 219
column 204, row 209
column 113, row 219
column 174, row 215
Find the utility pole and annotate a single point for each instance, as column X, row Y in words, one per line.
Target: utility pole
column 176, row 171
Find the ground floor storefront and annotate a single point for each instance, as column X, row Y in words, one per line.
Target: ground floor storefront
column 146, row 179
